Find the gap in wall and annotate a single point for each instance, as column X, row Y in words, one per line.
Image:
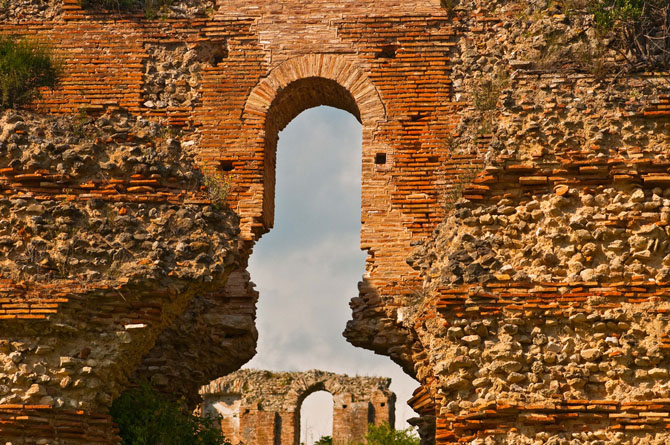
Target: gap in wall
column 308, row 266
column 316, row 417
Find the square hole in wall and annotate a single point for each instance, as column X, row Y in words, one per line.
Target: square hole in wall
column 387, row 52
column 380, row 158
column 227, row 166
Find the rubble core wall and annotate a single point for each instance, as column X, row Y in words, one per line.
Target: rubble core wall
column 545, row 287
column 514, row 210
column 263, row 407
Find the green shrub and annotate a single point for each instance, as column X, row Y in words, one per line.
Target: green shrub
column 324, row 440
column 25, row 66
column 145, row 417
column 638, row 29
column 607, row 13
column 385, row 435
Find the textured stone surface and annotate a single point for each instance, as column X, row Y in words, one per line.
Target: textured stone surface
column 259, row 407
column 545, row 286
column 107, row 237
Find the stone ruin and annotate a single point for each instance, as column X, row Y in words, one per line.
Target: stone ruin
column 263, row 407
column 515, row 211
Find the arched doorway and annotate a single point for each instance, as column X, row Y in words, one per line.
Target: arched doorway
column 294, row 86
column 315, row 417
column 297, row 97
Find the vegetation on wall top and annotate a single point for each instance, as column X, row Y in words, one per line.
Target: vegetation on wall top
column 25, row 66
column 634, row 32
column 639, row 30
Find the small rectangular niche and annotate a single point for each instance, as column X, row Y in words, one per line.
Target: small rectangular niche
column 380, row 158
column 387, row 52
column 226, row 165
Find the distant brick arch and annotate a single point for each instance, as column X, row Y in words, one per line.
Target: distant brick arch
column 263, row 407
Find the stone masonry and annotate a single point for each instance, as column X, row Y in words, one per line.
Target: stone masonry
column 515, row 209
column 263, row 407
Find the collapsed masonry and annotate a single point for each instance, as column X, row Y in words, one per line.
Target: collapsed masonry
column 263, row 407
column 531, row 196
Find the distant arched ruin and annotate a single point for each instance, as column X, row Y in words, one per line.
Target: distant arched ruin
column 263, row 407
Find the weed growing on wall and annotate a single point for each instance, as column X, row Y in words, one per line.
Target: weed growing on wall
column 454, row 192
column 25, row 66
column 487, row 91
column 120, row 5
column 218, row 187
column 145, row 417
column 449, row 5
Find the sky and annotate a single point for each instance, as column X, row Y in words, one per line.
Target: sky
column 307, row 267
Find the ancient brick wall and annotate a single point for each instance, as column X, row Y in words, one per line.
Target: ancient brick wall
column 263, row 407
column 89, row 272
column 562, row 227
column 241, row 76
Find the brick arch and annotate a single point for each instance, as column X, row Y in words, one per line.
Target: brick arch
column 324, row 381
column 261, row 407
column 294, row 86
column 339, row 69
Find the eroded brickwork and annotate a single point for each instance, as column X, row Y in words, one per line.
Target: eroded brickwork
column 263, row 407
column 106, row 239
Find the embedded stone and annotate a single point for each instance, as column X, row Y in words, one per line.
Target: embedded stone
column 590, row 355
column 472, row 340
